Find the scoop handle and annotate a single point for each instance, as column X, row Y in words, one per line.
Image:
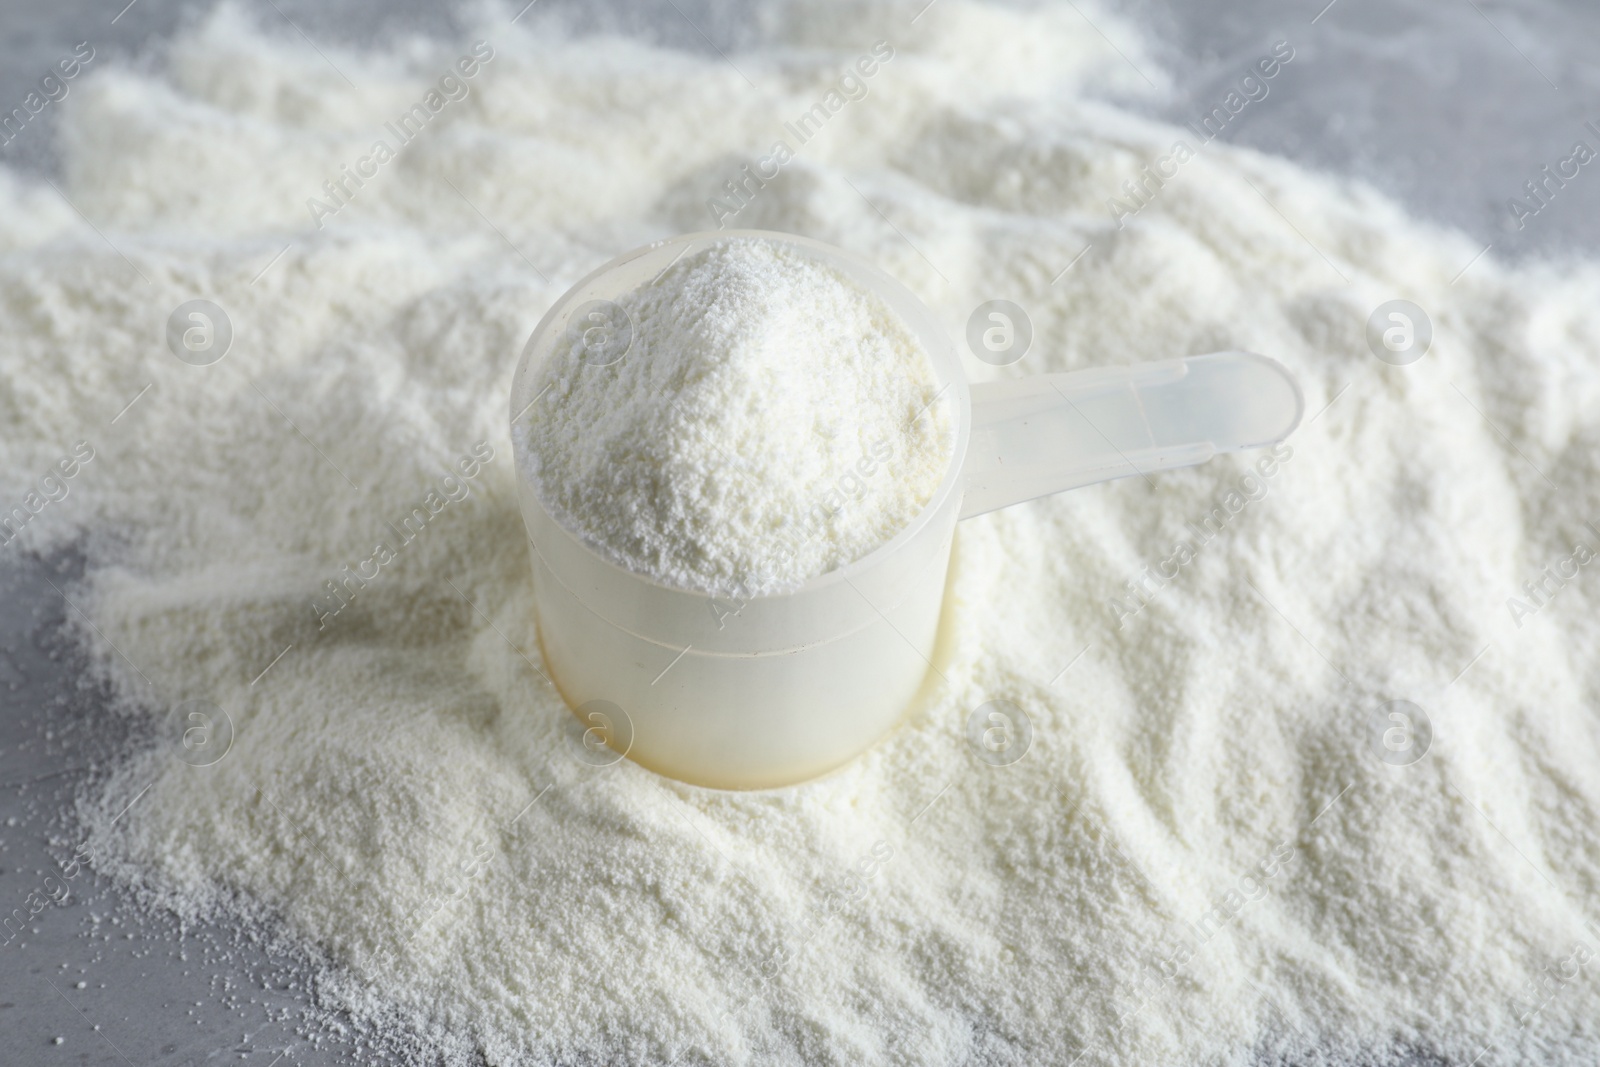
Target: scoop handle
column 1047, row 433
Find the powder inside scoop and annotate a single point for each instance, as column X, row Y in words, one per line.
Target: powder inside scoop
column 769, row 420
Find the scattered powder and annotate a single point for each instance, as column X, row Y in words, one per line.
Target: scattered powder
column 769, row 422
column 1202, row 857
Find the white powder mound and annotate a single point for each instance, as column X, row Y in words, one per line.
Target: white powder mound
column 1203, row 858
column 769, row 422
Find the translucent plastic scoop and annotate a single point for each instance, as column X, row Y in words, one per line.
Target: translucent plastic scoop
column 775, row 689
column 1051, row 432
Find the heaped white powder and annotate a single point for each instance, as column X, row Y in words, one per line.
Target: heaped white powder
column 1208, row 855
column 769, row 421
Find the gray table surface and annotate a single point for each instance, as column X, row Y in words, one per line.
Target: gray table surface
column 1449, row 105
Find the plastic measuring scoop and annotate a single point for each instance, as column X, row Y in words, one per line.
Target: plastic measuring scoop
column 775, row 689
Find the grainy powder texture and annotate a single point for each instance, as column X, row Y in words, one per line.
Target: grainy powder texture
column 1203, row 858
column 769, row 421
